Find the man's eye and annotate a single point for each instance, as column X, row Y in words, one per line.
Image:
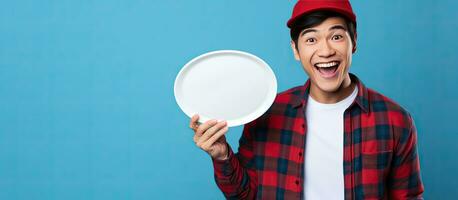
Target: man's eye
column 310, row 40
column 336, row 37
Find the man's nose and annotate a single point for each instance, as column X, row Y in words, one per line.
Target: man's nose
column 326, row 50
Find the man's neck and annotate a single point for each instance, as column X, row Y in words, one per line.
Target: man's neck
column 345, row 90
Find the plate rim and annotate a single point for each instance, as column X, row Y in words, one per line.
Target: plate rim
column 266, row 104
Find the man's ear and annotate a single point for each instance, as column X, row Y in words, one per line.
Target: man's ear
column 354, row 47
column 296, row 53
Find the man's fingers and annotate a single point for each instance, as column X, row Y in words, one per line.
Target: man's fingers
column 194, row 122
column 203, row 127
column 211, row 131
column 207, row 144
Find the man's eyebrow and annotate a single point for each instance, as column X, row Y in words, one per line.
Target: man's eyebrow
column 308, row 31
column 338, row 26
column 335, row 27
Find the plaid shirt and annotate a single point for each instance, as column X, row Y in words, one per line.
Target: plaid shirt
column 380, row 154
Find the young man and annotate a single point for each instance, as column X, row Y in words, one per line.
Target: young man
column 331, row 138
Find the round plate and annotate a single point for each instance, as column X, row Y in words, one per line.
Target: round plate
column 226, row 85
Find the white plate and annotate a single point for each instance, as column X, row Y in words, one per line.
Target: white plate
column 226, row 85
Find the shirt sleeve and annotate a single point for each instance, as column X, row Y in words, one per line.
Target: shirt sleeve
column 405, row 178
column 235, row 176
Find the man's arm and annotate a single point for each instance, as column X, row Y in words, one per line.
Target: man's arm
column 405, row 178
column 235, row 176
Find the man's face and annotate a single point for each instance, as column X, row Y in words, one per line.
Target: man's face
column 325, row 53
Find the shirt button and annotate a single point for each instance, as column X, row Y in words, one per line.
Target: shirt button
column 300, row 153
column 297, row 182
column 303, row 125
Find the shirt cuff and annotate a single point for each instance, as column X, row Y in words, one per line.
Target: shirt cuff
column 225, row 168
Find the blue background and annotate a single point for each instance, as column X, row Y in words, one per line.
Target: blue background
column 86, row 89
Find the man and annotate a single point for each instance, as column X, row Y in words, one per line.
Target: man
column 331, row 138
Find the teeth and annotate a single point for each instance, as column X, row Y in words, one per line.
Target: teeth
column 330, row 64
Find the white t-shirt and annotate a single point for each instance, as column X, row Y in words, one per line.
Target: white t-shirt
column 324, row 178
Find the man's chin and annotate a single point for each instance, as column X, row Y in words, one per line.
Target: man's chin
column 330, row 89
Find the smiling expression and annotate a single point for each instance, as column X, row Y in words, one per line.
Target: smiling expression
column 325, row 52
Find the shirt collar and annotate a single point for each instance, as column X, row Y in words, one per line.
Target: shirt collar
column 300, row 96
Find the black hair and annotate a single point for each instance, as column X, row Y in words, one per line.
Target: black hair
column 316, row 18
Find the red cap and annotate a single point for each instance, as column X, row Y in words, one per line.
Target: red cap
column 303, row 7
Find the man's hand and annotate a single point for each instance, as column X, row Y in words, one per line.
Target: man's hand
column 209, row 136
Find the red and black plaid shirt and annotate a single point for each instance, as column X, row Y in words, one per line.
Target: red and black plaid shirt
column 380, row 153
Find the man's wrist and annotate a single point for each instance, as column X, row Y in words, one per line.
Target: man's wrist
column 225, row 157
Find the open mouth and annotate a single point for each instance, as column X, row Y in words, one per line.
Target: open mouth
column 327, row 69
